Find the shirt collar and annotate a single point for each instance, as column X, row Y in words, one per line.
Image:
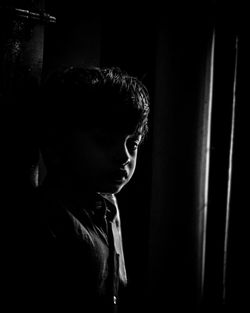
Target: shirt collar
column 106, row 204
column 102, row 204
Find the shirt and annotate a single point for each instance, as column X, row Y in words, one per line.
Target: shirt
column 80, row 260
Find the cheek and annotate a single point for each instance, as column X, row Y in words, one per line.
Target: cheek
column 132, row 166
column 92, row 162
column 85, row 159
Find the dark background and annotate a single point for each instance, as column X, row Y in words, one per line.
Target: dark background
column 167, row 46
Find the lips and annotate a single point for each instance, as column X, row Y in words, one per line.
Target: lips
column 119, row 175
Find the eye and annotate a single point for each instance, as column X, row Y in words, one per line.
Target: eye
column 133, row 144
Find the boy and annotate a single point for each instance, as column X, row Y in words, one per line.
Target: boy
column 92, row 122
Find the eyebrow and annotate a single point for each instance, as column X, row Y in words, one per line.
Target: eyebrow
column 136, row 137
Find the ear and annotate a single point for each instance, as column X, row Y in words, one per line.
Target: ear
column 38, row 172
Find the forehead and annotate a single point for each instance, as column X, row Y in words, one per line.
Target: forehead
column 115, row 111
column 113, row 122
column 114, row 133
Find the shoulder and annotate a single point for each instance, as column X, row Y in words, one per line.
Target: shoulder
column 58, row 221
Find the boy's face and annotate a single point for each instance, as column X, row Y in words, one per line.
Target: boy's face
column 101, row 160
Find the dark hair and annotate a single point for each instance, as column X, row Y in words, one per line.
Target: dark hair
column 108, row 98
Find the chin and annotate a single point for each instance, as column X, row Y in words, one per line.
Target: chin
column 112, row 188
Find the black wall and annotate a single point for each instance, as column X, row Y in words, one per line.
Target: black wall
column 167, row 47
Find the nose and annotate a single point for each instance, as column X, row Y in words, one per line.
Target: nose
column 121, row 155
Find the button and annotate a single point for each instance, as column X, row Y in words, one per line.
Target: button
column 114, row 299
